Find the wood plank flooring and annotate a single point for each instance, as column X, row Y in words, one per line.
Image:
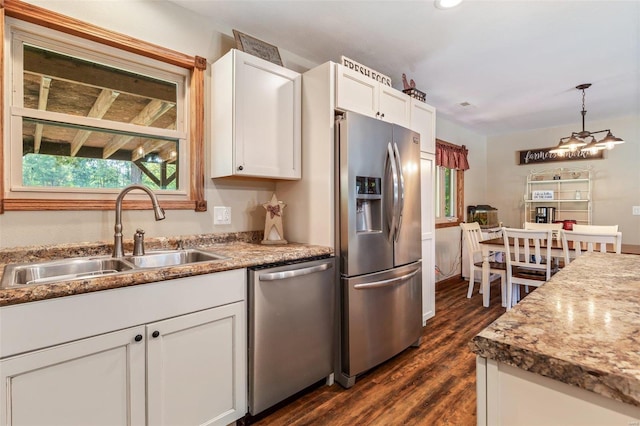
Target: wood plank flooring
column 430, row 385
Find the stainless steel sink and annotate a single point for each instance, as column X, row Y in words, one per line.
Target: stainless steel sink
column 61, row 270
column 157, row 259
column 87, row 267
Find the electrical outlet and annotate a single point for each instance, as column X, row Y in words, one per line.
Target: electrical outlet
column 221, row 215
column 635, row 210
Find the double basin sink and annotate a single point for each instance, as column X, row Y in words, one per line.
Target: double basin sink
column 16, row 275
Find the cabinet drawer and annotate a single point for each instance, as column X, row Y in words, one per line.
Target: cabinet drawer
column 30, row 326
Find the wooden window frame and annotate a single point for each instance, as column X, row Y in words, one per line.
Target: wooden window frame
column 196, row 64
column 459, row 195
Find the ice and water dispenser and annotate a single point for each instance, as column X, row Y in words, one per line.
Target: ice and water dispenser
column 368, row 204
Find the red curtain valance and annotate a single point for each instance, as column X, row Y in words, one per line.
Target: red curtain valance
column 452, row 156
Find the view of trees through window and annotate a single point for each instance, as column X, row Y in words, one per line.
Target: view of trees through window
column 42, row 170
column 449, row 188
column 87, row 124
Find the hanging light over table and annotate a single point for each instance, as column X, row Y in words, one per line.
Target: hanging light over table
column 578, row 140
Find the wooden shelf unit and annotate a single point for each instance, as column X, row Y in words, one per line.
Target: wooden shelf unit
column 571, row 189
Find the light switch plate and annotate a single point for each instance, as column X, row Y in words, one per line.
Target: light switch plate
column 221, row 215
column 635, row 210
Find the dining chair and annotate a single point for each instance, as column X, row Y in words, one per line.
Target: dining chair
column 473, row 236
column 527, row 252
column 555, row 227
column 587, row 242
column 596, row 229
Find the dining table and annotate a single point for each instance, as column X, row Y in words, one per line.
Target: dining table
column 496, row 245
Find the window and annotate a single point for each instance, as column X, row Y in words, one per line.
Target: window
column 449, row 190
column 88, row 117
column 446, row 194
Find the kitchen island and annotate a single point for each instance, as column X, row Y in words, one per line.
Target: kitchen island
column 569, row 353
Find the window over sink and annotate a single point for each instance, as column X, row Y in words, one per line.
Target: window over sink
column 91, row 112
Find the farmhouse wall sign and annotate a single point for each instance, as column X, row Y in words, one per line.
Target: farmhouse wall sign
column 255, row 47
column 542, row 155
column 366, row 71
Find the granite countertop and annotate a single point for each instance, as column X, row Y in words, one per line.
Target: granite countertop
column 241, row 249
column 580, row 328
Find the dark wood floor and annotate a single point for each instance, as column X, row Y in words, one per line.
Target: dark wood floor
column 430, row 385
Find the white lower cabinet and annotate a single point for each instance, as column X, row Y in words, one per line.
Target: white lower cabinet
column 172, row 369
column 193, row 371
column 94, row 381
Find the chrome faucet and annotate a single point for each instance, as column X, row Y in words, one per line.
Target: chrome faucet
column 118, row 248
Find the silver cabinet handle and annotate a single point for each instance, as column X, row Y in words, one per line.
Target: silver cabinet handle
column 273, row 276
column 385, row 283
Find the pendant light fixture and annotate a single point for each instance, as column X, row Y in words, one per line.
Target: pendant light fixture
column 578, row 140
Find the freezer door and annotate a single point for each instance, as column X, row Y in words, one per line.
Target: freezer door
column 407, row 239
column 291, row 329
column 381, row 316
column 363, row 164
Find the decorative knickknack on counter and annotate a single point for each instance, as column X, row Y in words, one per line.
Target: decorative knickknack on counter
column 273, row 232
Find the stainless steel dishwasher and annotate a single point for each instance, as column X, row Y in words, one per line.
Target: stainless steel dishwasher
column 291, row 329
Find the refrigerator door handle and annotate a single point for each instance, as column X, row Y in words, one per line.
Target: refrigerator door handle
column 401, row 197
column 274, row 276
column 385, row 283
column 394, row 176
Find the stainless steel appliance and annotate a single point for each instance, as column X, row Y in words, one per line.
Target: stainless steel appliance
column 545, row 214
column 291, row 329
column 379, row 241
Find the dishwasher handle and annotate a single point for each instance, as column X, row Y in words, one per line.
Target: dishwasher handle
column 274, row 276
column 385, row 283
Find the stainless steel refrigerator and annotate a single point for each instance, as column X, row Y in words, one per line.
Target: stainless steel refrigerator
column 378, row 241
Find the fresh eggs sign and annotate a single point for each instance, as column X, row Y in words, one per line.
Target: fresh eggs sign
column 542, row 155
column 366, row 71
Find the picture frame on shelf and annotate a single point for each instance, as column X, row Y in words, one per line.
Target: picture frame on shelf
column 255, row 47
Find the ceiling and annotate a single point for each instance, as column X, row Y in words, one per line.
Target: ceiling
column 516, row 63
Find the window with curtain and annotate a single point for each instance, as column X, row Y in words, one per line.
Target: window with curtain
column 451, row 162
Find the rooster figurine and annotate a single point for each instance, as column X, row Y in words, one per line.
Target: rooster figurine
column 404, row 82
column 408, row 84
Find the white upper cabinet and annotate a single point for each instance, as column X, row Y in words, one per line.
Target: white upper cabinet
column 361, row 94
column 423, row 121
column 256, row 124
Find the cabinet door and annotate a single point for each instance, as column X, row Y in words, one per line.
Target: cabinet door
column 94, row 381
column 196, row 368
column 394, row 106
column 423, row 121
column 267, row 114
column 427, row 174
column 356, row 92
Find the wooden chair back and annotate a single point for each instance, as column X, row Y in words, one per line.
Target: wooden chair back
column 473, row 236
column 554, row 227
column 588, row 242
column 595, row 229
column 528, row 258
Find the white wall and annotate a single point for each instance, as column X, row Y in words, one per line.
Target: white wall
column 616, row 178
column 448, row 240
column 170, row 26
